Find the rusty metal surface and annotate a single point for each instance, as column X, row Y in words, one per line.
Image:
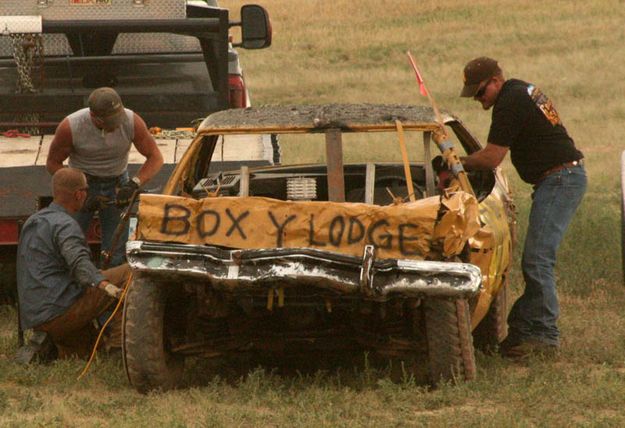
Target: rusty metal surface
column 322, row 117
column 334, row 159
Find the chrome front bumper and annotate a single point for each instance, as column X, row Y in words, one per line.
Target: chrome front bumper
column 290, row 267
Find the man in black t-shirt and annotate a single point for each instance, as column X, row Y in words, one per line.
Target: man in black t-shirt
column 525, row 122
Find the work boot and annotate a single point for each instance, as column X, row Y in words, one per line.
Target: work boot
column 521, row 349
column 112, row 338
column 38, row 349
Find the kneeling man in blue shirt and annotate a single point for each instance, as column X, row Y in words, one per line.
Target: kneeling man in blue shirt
column 60, row 290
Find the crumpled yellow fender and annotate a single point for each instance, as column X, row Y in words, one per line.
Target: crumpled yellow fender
column 491, row 251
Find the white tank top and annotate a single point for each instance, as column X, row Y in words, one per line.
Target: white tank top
column 97, row 153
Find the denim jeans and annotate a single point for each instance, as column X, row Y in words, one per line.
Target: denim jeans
column 109, row 216
column 554, row 201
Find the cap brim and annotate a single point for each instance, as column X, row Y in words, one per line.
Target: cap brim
column 469, row 91
column 114, row 120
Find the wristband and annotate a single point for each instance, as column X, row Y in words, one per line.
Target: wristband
column 445, row 145
column 457, row 168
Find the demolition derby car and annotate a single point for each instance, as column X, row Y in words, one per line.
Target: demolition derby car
column 390, row 257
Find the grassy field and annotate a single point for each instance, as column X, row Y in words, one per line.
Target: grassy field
column 354, row 51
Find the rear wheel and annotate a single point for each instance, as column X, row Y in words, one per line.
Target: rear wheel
column 494, row 327
column 450, row 344
column 147, row 360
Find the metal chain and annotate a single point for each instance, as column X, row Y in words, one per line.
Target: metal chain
column 28, row 54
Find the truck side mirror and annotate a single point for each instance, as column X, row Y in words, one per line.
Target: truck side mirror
column 255, row 27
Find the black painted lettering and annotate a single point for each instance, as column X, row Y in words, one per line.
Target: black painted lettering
column 236, row 223
column 216, row 220
column 174, row 223
column 337, row 228
column 404, row 239
column 311, row 233
column 280, row 227
column 383, row 240
column 356, row 231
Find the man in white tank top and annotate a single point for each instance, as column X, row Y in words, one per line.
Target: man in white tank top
column 97, row 140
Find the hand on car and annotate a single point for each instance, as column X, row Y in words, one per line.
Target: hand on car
column 125, row 192
column 440, row 167
column 439, row 164
column 439, row 135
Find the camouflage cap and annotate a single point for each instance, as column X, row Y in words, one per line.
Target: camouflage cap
column 476, row 73
column 106, row 105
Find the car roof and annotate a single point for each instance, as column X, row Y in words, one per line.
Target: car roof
column 318, row 118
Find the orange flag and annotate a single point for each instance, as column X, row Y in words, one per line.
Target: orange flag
column 422, row 87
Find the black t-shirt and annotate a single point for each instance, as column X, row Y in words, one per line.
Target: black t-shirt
column 525, row 120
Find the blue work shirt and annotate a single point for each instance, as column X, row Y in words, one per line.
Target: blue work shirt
column 53, row 266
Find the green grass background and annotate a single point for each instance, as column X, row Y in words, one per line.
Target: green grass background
column 354, row 51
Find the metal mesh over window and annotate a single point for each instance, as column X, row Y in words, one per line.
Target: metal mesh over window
column 57, row 44
column 96, row 9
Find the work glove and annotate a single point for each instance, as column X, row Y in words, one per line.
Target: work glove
column 91, row 204
column 112, row 290
column 439, row 164
column 94, row 203
column 442, row 172
column 125, row 192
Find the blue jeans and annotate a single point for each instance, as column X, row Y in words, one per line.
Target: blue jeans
column 554, row 201
column 109, row 216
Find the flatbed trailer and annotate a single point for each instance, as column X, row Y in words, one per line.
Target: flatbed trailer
column 171, row 61
column 26, row 184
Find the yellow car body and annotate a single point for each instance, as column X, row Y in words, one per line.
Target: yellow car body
column 372, row 232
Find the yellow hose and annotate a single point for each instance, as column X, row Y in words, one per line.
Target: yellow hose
column 97, row 342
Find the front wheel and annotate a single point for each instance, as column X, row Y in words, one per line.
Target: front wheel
column 147, row 360
column 493, row 329
column 450, row 344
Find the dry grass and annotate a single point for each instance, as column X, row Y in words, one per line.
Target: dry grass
column 344, row 51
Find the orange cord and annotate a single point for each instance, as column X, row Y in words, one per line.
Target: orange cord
column 97, row 342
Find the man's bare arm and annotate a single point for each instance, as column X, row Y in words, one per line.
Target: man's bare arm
column 60, row 148
column 488, row 158
column 145, row 144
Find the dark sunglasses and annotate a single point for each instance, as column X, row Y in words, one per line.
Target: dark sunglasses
column 482, row 90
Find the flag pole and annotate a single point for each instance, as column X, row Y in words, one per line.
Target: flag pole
column 424, row 91
column 446, row 147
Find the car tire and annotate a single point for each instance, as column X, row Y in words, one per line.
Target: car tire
column 494, row 326
column 147, row 361
column 450, row 344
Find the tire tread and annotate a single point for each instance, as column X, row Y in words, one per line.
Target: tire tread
column 148, row 365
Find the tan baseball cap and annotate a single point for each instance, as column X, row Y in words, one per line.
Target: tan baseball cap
column 106, row 105
column 476, row 73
